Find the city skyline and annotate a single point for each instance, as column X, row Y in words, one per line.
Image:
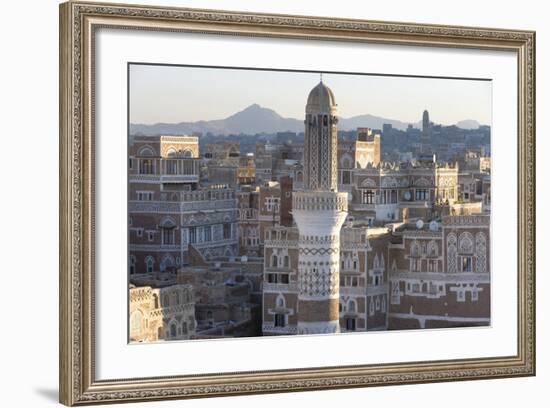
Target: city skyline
column 216, row 93
column 387, row 230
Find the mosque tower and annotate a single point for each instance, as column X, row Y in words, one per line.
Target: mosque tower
column 319, row 211
column 426, row 135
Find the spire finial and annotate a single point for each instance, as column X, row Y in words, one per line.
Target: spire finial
column 321, row 77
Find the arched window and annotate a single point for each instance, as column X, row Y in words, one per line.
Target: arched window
column 168, row 227
column 346, row 162
column 146, row 164
column 149, row 262
column 466, row 243
column 422, row 182
column 376, row 262
column 146, row 151
column 368, row 183
column 136, row 323
column 415, row 249
column 274, row 260
column 432, row 249
column 173, row 330
column 481, row 253
column 167, row 263
column 280, row 301
column 352, row 306
column 451, row 253
column 171, row 153
column 184, row 327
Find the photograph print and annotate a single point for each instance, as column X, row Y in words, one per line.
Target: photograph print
column 275, row 202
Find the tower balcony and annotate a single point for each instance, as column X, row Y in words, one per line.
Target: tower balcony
column 319, row 213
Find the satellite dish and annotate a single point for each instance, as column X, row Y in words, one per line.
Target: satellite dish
column 434, row 226
column 419, row 224
column 407, row 195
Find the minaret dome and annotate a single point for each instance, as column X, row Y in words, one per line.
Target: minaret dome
column 321, row 100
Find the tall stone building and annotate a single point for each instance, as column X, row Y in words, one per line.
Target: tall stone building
column 426, row 133
column 319, row 211
column 169, row 210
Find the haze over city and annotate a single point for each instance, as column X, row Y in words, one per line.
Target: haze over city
column 172, row 94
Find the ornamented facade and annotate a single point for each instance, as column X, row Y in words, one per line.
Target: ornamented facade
column 400, row 276
column 169, row 210
column 161, row 313
column 319, row 212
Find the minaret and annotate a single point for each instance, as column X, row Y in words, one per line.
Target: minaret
column 426, row 132
column 319, row 211
column 425, row 121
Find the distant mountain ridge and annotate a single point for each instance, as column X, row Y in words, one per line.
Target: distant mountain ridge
column 256, row 119
column 468, row 124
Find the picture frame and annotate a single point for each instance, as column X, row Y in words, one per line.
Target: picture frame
column 79, row 24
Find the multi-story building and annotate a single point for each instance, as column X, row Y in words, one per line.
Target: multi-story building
column 259, row 208
column 398, row 191
column 277, row 161
column 426, row 132
column 226, row 302
column 222, row 151
column 168, row 210
column 439, row 275
column 165, row 312
column 222, row 164
column 412, row 275
column 246, row 172
column 249, row 223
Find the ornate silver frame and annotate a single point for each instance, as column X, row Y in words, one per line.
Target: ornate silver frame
column 78, row 22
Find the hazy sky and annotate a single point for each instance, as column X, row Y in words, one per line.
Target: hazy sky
column 185, row 94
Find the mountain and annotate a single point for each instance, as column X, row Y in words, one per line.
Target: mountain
column 252, row 120
column 468, row 124
column 257, row 119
